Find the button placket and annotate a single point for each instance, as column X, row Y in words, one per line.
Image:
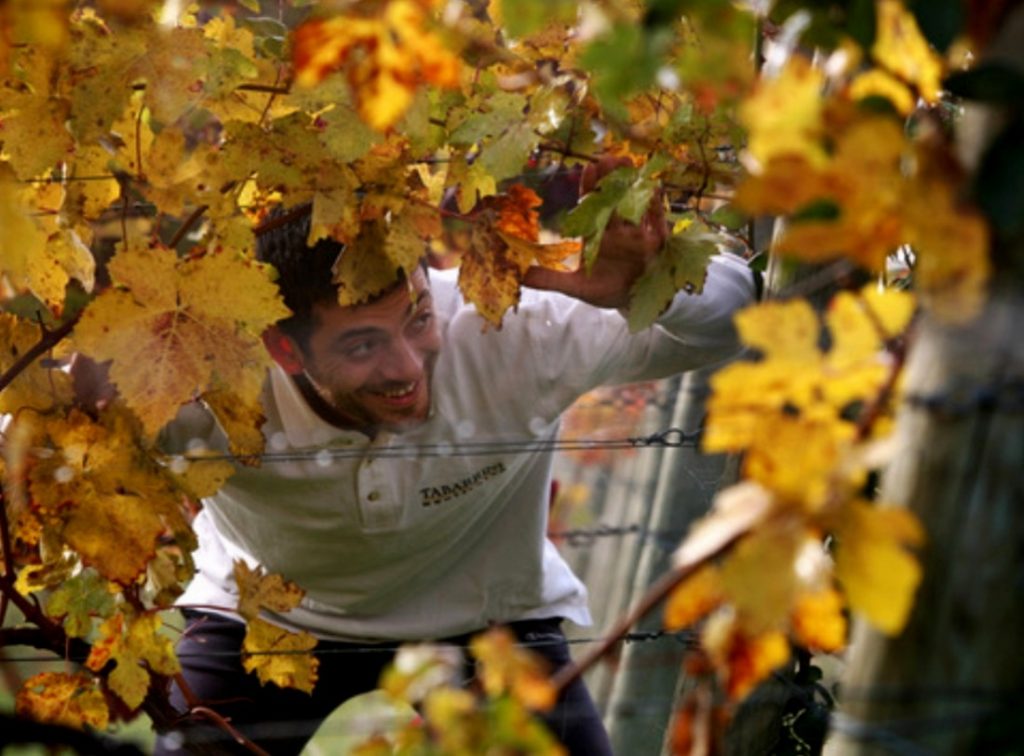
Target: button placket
column 376, row 500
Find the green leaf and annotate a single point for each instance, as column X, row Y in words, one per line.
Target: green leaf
column 682, row 263
column 589, row 218
column 499, row 110
column 345, row 135
column 818, row 210
column 729, row 217
column 625, row 61
column 78, row 600
column 522, row 17
column 635, row 202
column 506, row 156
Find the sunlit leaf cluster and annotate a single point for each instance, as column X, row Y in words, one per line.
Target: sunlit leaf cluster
column 143, row 143
column 811, row 421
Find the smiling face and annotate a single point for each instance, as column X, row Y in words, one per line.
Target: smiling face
column 370, row 364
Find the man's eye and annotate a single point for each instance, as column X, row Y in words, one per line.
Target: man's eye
column 421, row 321
column 359, row 349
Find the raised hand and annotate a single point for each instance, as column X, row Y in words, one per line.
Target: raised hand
column 626, row 249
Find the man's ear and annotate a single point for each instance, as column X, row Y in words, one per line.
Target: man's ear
column 284, row 350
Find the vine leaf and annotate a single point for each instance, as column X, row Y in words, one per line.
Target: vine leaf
column 174, row 328
column 626, row 191
column 386, row 52
column 35, row 387
column 136, row 646
column 78, row 600
column 257, row 589
column 505, row 668
column 35, row 255
column 273, row 654
column 73, row 700
column 874, row 564
column 105, row 498
column 744, row 659
column 502, row 247
column 681, row 264
column 694, row 598
column 818, row 620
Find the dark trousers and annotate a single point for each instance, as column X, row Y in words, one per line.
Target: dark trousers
column 281, row 721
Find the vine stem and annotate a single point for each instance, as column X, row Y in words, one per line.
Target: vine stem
column 657, row 593
column 221, row 722
column 49, row 340
column 186, row 225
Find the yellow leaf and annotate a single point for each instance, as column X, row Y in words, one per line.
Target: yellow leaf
column 273, row 653
column 758, row 574
column 420, row 668
column 35, row 136
column 137, row 647
column 506, row 668
column 818, row 620
column 25, row 260
column 473, row 182
column 879, row 83
column 900, row 47
column 63, row 699
column 371, row 263
column 695, row 597
column 891, row 309
column 109, row 500
column 784, row 116
column 35, row 387
column 782, row 330
column 855, row 336
column 874, row 565
column 175, row 328
column 786, row 184
column 257, row 589
column 239, row 413
column 200, row 477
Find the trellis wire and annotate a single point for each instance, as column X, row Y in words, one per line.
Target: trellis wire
column 685, row 637
column 669, row 438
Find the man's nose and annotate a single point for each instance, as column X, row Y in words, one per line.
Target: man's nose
column 403, row 362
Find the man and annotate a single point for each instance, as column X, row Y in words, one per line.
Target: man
column 398, row 491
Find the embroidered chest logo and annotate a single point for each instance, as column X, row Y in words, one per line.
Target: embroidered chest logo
column 433, row 495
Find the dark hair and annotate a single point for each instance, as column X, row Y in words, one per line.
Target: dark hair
column 304, row 273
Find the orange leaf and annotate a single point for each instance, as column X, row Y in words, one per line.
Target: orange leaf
column 693, row 598
column 517, row 215
column 63, row 699
column 385, row 55
column 743, row 660
column 818, row 620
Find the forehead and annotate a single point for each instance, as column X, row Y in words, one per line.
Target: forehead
column 387, row 311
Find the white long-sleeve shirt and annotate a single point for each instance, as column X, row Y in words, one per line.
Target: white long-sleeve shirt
column 440, row 530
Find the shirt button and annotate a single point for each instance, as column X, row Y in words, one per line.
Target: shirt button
column 373, row 495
